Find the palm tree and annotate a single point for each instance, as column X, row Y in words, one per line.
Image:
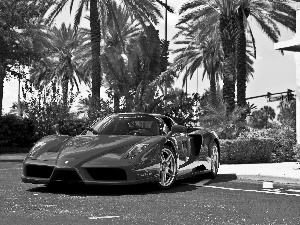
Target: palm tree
column 142, row 10
column 196, row 53
column 207, row 17
column 230, row 19
column 267, row 14
column 59, row 67
column 206, row 52
column 113, row 59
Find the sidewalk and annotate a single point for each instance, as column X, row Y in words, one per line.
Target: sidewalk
column 12, row 157
column 285, row 172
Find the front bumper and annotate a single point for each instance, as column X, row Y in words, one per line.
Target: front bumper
column 122, row 173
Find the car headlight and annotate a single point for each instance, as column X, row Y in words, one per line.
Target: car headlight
column 36, row 148
column 135, row 150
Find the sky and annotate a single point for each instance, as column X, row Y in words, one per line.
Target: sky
column 273, row 72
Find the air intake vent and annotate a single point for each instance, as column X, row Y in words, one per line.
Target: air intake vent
column 107, row 173
column 39, row 171
column 65, row 175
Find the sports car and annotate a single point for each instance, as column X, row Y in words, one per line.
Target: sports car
column 124, row 148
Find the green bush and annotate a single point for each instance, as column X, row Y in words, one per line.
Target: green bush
column 246, row 150
column 73, row 127
column 296, row 150
column 284, row 140
column 16, row 132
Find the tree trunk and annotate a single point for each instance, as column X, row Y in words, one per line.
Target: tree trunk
column 227, row 37
column 241, row 60
column 213, row 91
column 2, row 76
column 95, row 41
column 65, row 87
column 129, row 103
column 116, row 103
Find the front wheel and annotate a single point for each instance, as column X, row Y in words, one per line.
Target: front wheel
column 214, row 161
column 168, row 168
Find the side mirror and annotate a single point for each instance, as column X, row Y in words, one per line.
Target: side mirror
column 178, row 129
column 55, row 128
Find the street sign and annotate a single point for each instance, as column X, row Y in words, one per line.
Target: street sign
column 276, row 98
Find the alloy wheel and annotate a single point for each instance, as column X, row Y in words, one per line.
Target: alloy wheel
column 214, row 160
column 167, row 168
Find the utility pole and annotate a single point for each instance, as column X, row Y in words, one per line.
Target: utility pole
column 19, row 87
column 186, row 83
column 197, row 80
column 166, row 39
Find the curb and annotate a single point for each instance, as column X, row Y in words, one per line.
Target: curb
column 11, row 160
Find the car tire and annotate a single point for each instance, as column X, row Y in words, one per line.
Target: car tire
column 168, row 168
column 215, row 160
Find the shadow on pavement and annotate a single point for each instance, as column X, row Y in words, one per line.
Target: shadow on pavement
column 222, row 178
column 184, row 185
column 108, row 190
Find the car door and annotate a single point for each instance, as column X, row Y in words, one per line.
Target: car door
column 199, row 148
column 185, row 161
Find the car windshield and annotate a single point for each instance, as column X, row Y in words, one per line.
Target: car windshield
column 143, row 125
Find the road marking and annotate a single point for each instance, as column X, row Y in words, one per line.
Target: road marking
column 102, row 217
column 293, row 190
column 277, row 191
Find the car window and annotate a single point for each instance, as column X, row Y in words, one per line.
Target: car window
column 144, row 125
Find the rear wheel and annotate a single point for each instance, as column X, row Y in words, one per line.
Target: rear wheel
column 168, row 168
column 214, row 160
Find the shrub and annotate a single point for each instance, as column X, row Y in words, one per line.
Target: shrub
column 284, row 140
column 296, row 150
column 73, row 127
column 246, row 150
column 16, row 132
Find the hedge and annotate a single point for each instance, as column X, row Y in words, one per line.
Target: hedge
column 244, row 150
column 284, row 141
column 16, row 132
column 296, row 150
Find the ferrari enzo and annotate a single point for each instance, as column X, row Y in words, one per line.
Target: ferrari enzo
column 124, row 148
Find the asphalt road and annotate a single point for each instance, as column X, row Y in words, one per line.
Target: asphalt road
column 224, row 200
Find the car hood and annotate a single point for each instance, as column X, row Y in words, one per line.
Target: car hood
column 99, row 144
column 85, row 147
